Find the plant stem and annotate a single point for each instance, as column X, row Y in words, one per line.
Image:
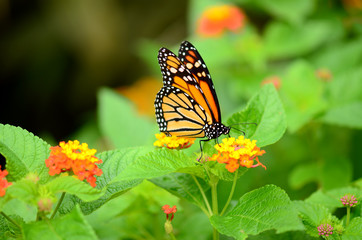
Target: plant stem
column 215, row 208
column 231, row 193
column 172, row 236
column 348, row 215
column 10, row 220
column 203, row 195
column 58, row 205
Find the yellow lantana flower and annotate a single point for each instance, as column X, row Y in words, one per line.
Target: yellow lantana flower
column 173, row 142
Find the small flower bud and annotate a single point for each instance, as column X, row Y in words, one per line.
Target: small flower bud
column 45, row 204
column 275, row 80
column 325, row 230
column 32, row 177
column 168, row 227
column 349, row 200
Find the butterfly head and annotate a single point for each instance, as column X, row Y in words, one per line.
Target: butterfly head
column 215, row 130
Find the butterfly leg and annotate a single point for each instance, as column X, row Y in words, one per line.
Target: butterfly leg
column 202, row 153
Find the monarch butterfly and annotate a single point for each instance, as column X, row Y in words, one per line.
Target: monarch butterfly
column 187, row 104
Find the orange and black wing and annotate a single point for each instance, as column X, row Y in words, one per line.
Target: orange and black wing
column 179, row 114
column 193, row 61
column 177, row 75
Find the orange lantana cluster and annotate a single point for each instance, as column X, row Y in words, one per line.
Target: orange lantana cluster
column 76, row 158
column 3, row 182
column 241, row 152
column 173, row 142
column 215, row 20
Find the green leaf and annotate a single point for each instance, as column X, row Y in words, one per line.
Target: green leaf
column 336, row 172
column 21, row 208
column 322, row 198
column 345, row 99
column 345, row 88
column 263, row 209
column 340, row 57
column 114, row 163
column 347, row 115
column 8, row 230
column 24, row 153
column 303, row 174
column 292, row 235
column 120, row 123
column 72, row 185
column 71, row 226
column 292, row 11
column 301, row 93
column 266, row 110
column 312, row 215
column 354, row 230
column 183, row 185
column 331, row 198
column 158, row 163
column 24, row 190
column 358, row 183
column 286, row 41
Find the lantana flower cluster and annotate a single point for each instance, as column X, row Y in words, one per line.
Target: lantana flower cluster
column 215, row 20
column 169, row 210
column 325, row 230
column 3, row 182
column 173, row 142
column 349, row 200
column 240, row 152
column 74, row 158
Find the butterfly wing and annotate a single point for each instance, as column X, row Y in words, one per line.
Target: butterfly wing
column 177, row 75
column 193, row 61
column 179, row 114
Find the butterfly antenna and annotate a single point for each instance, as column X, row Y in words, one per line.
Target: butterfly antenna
column 240, row 124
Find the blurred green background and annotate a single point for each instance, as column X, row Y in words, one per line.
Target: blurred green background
column 57, row 57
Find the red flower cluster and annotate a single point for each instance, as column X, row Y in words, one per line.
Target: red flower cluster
column 74, row 158
column 3, row 182
column 169, row 210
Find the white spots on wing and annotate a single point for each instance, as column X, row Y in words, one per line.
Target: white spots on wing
column 173, row 70
column 203, row 74
column 198, row 64
column 189, row 65
column 199, row 74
